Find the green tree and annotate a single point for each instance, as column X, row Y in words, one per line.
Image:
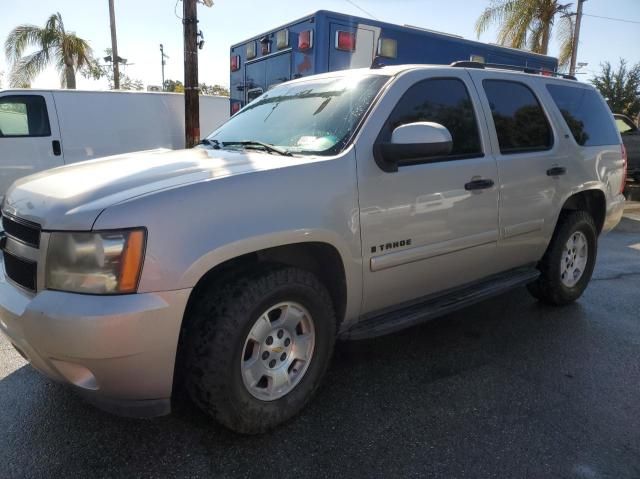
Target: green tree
column 621, row 87
column 54, row 44
column 529, row 24
column 175, row 86
column 213, row 90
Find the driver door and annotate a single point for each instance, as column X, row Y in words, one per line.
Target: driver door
column 424, row 228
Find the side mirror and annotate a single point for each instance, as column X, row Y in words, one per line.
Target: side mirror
column 414, row 142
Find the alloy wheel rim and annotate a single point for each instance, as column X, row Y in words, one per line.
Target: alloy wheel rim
column 277, row 351
column 574, row 259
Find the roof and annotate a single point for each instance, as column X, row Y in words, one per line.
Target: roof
column 108, row 92
column 393, row 70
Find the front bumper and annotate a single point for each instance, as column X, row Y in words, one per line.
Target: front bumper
column 118, row 351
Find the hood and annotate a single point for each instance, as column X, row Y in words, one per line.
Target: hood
column 71, row 197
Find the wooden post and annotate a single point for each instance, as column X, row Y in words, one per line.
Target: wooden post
column 191, row 101
column 114, row 48
column 576, row 39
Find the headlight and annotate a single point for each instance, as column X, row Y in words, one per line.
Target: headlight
column 107, row 262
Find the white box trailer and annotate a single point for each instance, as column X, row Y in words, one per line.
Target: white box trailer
column 41, row 129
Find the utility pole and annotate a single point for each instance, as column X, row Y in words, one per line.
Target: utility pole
column 114, row 48
column 191, row 101
column 576, row 38
column 162, row 57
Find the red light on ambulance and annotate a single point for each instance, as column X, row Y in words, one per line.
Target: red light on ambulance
column 235, row 63
column 345, row 41
column 235, row 107
column 305, row 40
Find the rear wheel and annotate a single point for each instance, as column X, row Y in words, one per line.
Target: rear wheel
column 259, row 348
column 568, row 263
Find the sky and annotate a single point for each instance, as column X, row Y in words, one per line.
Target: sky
column 143, row 24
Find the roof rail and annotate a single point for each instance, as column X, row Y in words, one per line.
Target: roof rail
column 539, row 71
column 468, row 64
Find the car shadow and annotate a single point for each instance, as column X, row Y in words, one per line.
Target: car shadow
column 439, row 393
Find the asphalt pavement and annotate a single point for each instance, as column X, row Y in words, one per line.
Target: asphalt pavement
column 507, row 388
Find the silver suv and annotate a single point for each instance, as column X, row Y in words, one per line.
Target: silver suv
column 344, row 205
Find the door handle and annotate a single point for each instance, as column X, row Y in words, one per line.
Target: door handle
column 556, row 171
column 478, row 185
column 57, row 148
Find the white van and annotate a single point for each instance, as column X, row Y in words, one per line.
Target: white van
column 41, row 129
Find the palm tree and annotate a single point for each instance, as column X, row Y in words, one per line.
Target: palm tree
column 68, row 52
column 529, row 24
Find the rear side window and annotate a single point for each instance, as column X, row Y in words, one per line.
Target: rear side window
column 520, row 122
column 586, row 115
column 23, row 115
column 445, row 101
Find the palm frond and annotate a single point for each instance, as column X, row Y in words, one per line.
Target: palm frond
column 522, row 23
column 515, row 28
column 20, row 38
column 566, row 27
column 27, row 68
column 54, row 23
column 494, row 13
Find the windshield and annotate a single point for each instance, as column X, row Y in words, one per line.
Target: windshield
column 314, row 117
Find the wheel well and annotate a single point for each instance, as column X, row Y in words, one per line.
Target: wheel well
column 321, row 259
column 592, row 201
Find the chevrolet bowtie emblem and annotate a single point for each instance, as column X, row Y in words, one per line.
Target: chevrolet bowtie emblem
column 278, row 349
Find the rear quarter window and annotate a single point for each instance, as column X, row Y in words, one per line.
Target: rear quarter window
column 586, row 115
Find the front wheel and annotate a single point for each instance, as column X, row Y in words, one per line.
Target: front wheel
column 259, row 348
column 567, row 265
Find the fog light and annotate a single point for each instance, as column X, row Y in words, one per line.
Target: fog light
column 76, row 374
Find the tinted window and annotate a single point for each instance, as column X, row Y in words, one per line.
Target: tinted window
column 520, row 123
column 444, row 101
column 23, row 115
column 587, row 116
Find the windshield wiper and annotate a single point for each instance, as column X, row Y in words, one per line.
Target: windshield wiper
column 215, row 144
column 267, row 146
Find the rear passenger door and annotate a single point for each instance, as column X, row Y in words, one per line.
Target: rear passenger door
column 29, row 136
column 530, row 163
column 424, row 227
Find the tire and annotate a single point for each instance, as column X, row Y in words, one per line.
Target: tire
column 219, row 344
column 552, row 287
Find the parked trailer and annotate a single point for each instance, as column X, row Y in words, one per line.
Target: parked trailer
column 41, row 129
column 328, row 41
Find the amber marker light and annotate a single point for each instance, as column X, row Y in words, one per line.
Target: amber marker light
column 132, row 262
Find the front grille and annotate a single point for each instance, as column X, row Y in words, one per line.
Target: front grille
column 21, row 270
column 22, row 230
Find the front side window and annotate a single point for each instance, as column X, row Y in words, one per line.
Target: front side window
column 311, row 117
column 520, row 122
column 23, row 115
column 586, row 115
column 440, row 100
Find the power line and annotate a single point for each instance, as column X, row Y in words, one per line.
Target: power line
column 362, row 9
column 611, row 18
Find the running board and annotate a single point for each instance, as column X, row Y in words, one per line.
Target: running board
column 438, row 305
